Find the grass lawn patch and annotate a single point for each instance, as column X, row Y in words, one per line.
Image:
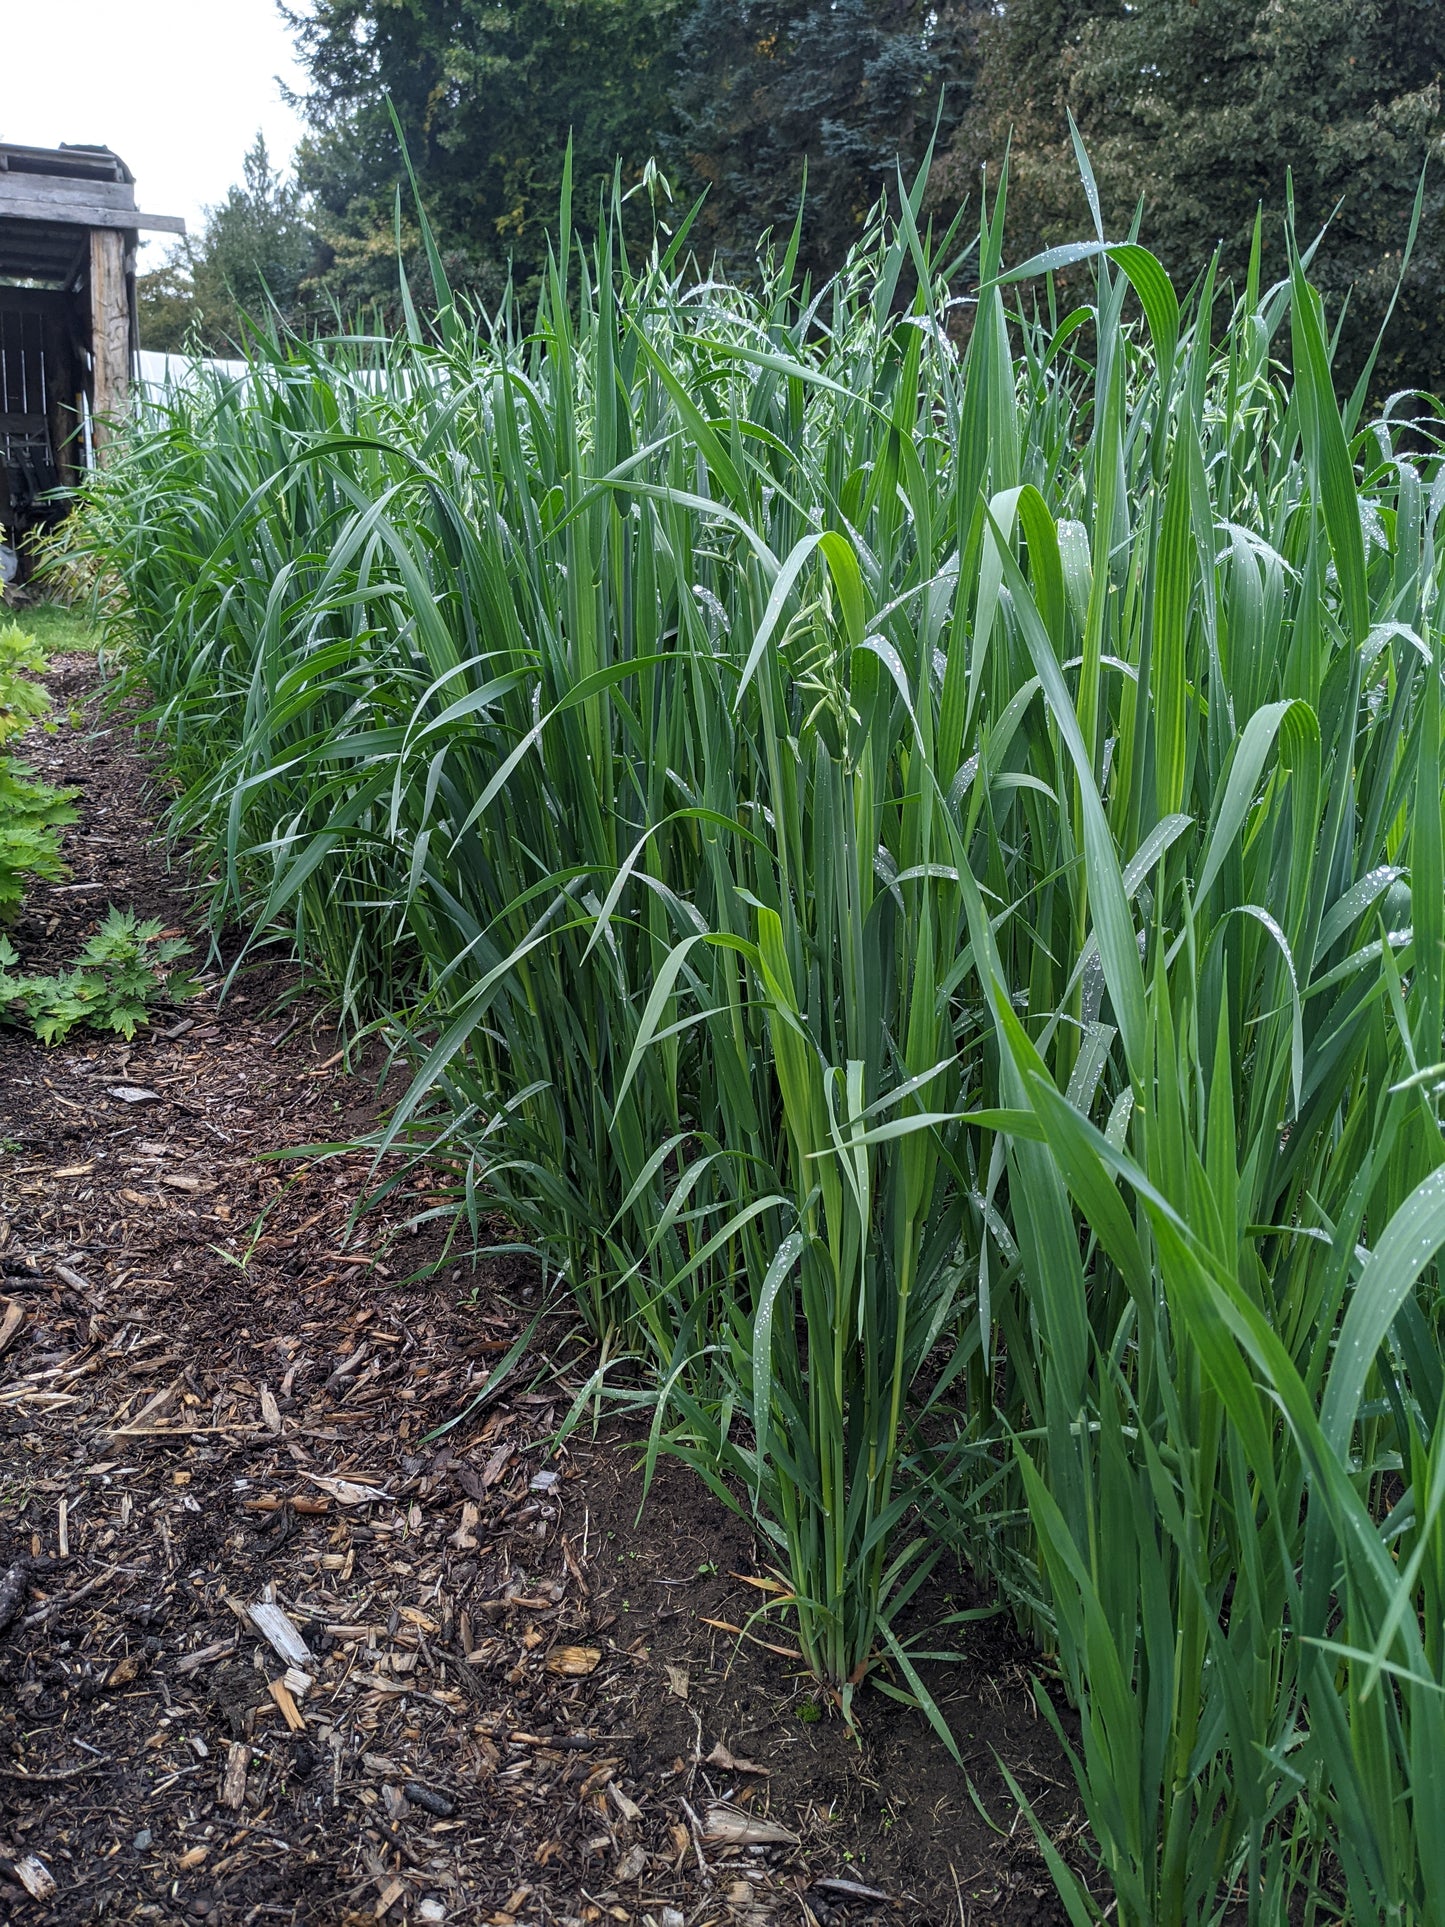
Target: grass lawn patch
column 59, row 628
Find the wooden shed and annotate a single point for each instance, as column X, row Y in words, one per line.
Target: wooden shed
column 68, row 232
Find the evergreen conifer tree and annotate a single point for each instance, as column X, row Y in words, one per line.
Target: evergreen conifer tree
column 1200, row 110
column 848, row 89
column 257, row 250
column 488, row 93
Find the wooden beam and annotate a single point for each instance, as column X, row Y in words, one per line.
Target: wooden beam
column 49, row 190
column 69, row 163
column 29, row 197
column 109, row 332
column 86, row 216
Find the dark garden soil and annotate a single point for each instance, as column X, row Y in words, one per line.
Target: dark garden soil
column 508, row 1699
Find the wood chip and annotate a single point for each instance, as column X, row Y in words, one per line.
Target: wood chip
column 35, row 1877
column 442, row 1805
column 290, row 1711
column 270, row 1411
column 632, row 1865
column 233, row 1782
column 629, row 1809
column 730, row 1827
column 62, row 1602
column 154, row 1405
column 218, row 1649
column 573, row 1662
column 853, row 1889
column 465, row 1538
column 14, row 1318
column 177, row 1431
column 350, row 1491
column 40, row 1778
column 730, row 1763
column 278, row 1630
column 379, row 1683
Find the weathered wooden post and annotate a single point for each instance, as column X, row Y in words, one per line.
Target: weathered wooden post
column 110, row 332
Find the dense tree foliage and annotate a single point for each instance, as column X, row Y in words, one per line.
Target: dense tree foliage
column 849, row 89
column 487, row 93
column 1200, row 109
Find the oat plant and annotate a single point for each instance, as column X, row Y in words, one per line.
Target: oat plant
column 899, row 827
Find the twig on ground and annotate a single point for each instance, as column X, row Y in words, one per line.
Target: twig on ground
column 52, row 1775
column 53, row 1606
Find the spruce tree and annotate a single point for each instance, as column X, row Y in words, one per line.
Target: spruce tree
column 252, row 260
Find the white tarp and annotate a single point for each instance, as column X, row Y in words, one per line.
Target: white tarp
column 158, row 375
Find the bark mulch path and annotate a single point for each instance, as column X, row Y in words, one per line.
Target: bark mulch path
column 270, row 1655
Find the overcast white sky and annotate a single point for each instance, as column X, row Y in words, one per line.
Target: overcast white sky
column 177, row 87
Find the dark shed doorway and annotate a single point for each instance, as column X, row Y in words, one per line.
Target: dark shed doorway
column 68, row 232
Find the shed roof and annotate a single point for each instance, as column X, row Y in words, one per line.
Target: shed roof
column 70, row 161
column 47, row 194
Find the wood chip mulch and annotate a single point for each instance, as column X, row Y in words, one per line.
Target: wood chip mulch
column 267, row 1652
